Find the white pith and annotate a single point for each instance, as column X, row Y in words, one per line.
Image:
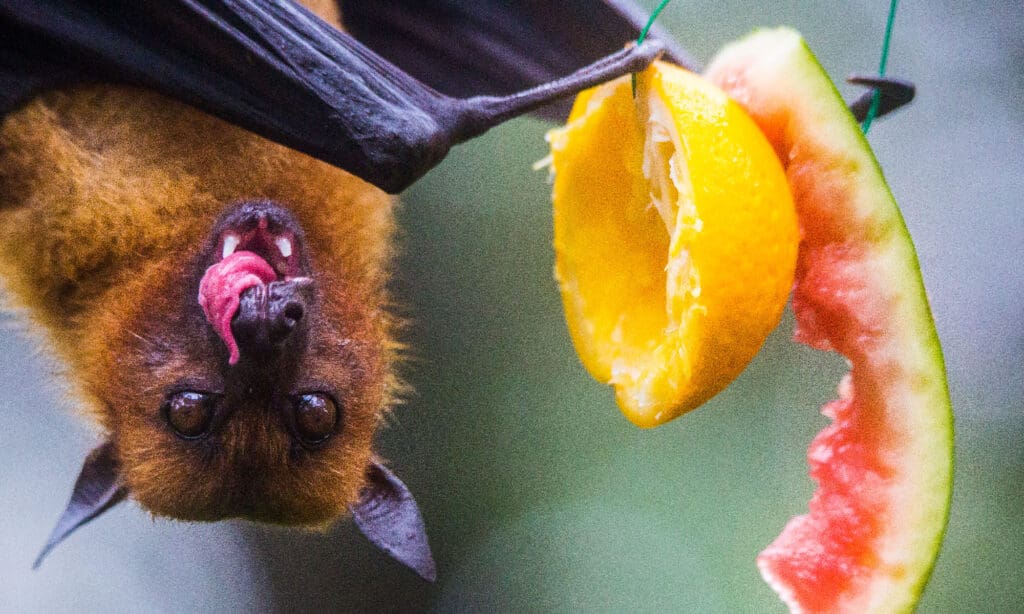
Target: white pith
column 665, row 169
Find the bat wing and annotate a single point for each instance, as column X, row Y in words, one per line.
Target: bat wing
column 499, row 47
column 274, row 68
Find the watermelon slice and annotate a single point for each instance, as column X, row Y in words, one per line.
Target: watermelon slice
column 884, row 465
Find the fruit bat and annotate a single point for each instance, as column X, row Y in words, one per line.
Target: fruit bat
column 194, row 207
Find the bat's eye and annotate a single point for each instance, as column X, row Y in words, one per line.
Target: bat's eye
column 316, row 416
column 189, row 413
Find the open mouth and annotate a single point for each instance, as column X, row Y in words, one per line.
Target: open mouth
column 278, row 250
column 257, row 245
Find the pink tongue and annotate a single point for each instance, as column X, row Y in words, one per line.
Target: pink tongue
column 222, row 286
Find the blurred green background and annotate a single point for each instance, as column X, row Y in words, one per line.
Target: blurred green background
column 537, row 494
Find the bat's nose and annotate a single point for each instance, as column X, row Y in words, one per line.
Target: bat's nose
column 271, row 318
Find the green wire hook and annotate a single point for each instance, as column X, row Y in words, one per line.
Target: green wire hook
column 643, row 34
column 877, row 98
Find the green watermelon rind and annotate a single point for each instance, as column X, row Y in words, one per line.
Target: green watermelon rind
column 780, row 62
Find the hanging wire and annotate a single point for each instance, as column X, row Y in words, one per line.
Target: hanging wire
column 877, row 98
column 643, row 33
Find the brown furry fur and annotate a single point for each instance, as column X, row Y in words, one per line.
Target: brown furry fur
column 107, row 197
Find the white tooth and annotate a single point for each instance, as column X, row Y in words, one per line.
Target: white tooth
column 284, row 245
column 230, row 244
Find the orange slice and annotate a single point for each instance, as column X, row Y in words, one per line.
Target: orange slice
column 675, row 239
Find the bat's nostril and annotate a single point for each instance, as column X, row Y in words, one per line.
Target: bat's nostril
column 269, row 316
column 286, row 321
column 294, row 311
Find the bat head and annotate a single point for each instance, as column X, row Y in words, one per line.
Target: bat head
column 258, row 394
column 221, row 302
column 250, row 384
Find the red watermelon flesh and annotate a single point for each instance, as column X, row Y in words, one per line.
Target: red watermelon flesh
column 884, row 465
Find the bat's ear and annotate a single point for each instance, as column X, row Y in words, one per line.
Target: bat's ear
column 388, row 516
column 97, row 489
